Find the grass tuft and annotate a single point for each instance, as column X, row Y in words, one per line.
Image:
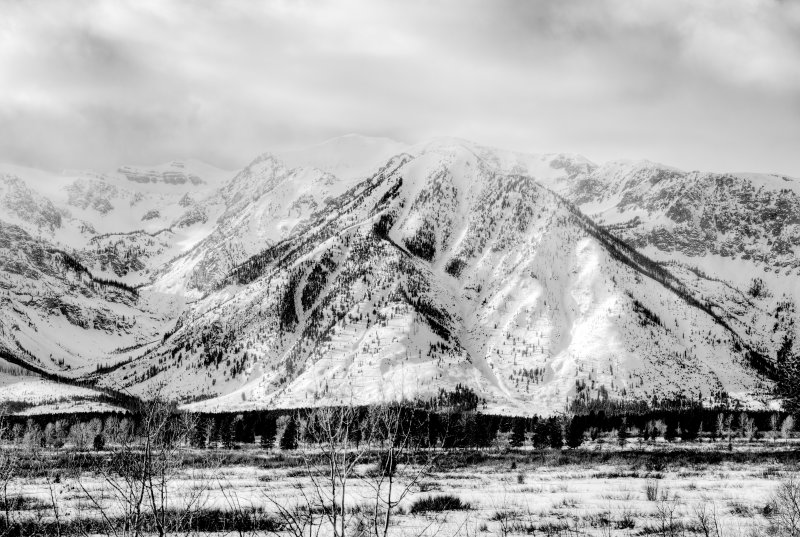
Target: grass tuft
column 445, row 502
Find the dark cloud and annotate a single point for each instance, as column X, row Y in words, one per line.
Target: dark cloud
column 701, row 85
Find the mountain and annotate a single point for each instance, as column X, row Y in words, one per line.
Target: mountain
column 734, row 237
column 366, row 270
column 348, row 157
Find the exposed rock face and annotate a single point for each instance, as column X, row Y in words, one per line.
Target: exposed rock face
column 151, row 215
column 92, row 193
column 194, row 215
column 737, row 216
column 18, row 199
column 174, row 175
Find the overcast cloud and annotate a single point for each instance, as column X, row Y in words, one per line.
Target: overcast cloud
column 711, row 85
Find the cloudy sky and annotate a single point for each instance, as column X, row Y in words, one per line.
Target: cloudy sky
column 712, row 85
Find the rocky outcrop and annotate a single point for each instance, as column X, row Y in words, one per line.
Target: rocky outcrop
column 174, row 175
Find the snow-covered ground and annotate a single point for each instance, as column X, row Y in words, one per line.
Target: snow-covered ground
column 506, row 495
column 40, row 396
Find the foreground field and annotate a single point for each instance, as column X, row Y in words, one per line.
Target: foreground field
column 595, row 490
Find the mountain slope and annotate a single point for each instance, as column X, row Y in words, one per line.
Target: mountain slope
column 733, row 238
column 442, row 270
column 367, row 270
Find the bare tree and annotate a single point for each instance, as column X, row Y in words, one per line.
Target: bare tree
column 331, row 467
column 668, row 515
column 787, row 427
column 340, row 442
column 402, row 460
column 728, row 427
column 748, row 426
column 774, row 426
column 785, row 520
column 138, row 475
column 707, row 521
column 720, row 425
column 7, row 465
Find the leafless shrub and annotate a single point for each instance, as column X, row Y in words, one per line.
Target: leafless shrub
column 748, row 427
column 668, row 519
column 651, row 488
column 340, row 441
column 136, row 479
column 7, row 466
column 784, row 520
column 507, row 521
column 706, row 521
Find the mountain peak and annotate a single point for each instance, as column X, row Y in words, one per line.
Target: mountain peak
column 347, row 156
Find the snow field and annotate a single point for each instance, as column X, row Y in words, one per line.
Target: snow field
column 521, row 491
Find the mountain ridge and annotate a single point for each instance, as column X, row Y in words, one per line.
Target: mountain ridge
column 437, row 270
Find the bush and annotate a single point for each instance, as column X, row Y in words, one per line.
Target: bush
column 445, row 502
column 651, row 490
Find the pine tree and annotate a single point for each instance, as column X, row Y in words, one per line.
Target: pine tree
column 541, row 435
column 244, row 432
column 485, row 430
column 517, row 432
column 690, row 425
column 788, row 382
column 226, row 432
column 197, row 438
column 555, row 433
column 671, row 431
column 622, row 433
column 99, row 442
column 269, row 430
column 575, row 432
column 454, row 434
column 471, row 432
column 289, row 438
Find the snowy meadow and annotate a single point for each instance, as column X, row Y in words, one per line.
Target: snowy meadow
column 387, row 471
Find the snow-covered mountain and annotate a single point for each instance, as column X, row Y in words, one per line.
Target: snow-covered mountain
column 363, row 269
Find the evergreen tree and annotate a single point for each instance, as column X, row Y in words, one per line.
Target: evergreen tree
column 541, row 435
column 311, row 432
column 648, row 432
column 434, row 429
column 788, row 382
column 555, row 433
column 690, row 424
column 269, row 430
column 517, row 432
column 197, row 438
column 454, row 434
column 575, row 432
column 99, row 442
column 245, row 432
column 354, row 433
column 622, row 433
column 505, row 424
column 471, row 432
column 289, row 438
column 671, row 430
column 485, row 430
column 226, row 432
